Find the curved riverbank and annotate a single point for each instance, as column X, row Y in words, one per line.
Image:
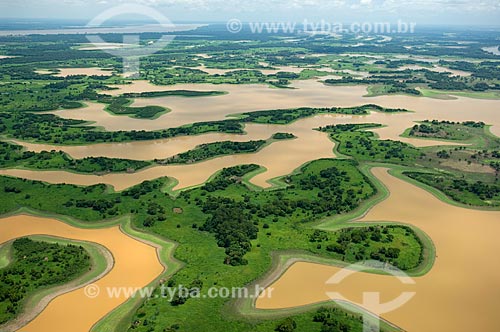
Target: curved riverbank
column 311, row 93
column 436, row 298
column 282, row 261
column 101, row 263
column 137, row 265
column 120, row 318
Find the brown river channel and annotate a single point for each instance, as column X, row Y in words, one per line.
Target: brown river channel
column 460, row 293
column 279, row 158
column 135, row 265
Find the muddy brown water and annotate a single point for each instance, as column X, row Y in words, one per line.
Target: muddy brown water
column 135, row 265
column 265, row 71
column 247, row 98
column 64, row 72
column 280, row 158
column 460, row 293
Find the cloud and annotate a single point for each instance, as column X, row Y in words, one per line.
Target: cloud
column 427, row 11
column 443, row 5
column 432, row 5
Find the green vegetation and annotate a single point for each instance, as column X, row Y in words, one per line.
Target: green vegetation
column 36, row 265
column 474, row 193
column 13, row 156
column 324, row 182
column 424, row 81
column 211, row 150
column 468, row 174
column 46, row 96
column 226, row 232
column 397, row 245
column 322, row 188
column 120, row 106
column 441, row 94
column 362, row 145
column 447, row 130
column 380, row 85
column 282, row 136
column 4, row 256
column 333, row 319
column 94, row 202
column 48, row 128
column 390, row 89
column 173, row 93
column 285, row 116
column 217, row 149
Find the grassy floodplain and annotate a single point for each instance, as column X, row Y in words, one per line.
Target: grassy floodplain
column 62, row 265
column 225, row 186
column 227, row 232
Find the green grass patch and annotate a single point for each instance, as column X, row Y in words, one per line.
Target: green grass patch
column 216, row 149
column 363, row 146
column 286, row 116
column 447, row 130
column 36, row 265
column 472, row 193
column 121, row 106
column 322, row 188
column 12, row 155
column 469, row 94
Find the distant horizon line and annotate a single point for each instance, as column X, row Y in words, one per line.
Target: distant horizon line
column 48, row 19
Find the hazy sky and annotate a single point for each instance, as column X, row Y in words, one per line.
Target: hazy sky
column 460, row 12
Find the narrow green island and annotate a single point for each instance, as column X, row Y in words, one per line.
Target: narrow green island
column 121, row 106
column 49, row 128
column 283, row 136
column 217, row 149
column 286, row 116
column 212, row 150
column 12, row 155
column 460, row 189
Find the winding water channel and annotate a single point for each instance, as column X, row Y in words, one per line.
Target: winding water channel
column 460, row 293
column 135, row 265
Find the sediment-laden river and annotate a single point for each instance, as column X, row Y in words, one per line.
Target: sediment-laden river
column 461, row 292
column 135, row 265
column 279, row 158
column 252, row 97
